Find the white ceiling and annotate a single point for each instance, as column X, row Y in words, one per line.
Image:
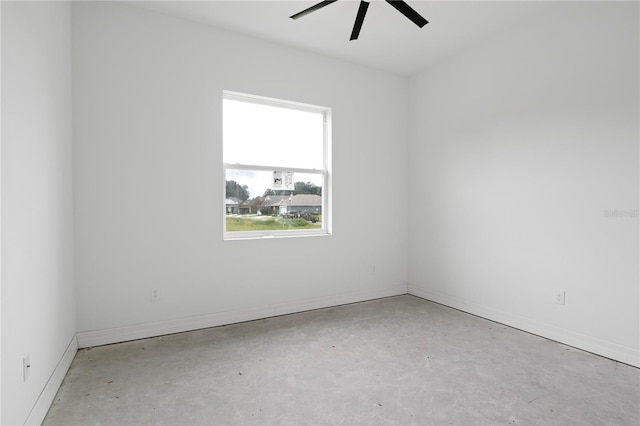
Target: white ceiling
column 388, row 41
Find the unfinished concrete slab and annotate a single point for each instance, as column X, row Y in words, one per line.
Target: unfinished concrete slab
column 400, row 360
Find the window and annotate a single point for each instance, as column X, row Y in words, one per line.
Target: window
column 276, row 167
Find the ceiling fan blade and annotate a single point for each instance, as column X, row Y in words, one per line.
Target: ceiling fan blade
column 409, row 12
column 362, row 11
column 312, row 9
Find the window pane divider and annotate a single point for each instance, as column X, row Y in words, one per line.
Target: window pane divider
column 272, row 168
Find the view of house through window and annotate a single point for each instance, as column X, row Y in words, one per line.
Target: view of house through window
column 276, row 174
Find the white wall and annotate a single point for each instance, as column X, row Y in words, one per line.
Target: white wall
column 38, row 301
column 518, row 146
column 148, row 173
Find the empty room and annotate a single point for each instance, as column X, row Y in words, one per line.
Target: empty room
column 306, row 212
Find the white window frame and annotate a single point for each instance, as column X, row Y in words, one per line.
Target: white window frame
column 325, row 171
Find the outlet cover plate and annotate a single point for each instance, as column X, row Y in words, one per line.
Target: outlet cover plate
column 26, row 367
column 155, row 294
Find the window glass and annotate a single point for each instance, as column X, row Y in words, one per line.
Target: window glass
column 268, row 135
column 276, row 175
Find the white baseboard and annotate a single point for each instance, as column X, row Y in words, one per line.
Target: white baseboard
column 615, row 351
column 141, row 331
column 41, row 407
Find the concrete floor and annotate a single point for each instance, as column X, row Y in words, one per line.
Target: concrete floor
column 401, row 360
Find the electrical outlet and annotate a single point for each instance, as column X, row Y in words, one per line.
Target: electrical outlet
column 155, row 294
column 559, row 297
column 26, row 367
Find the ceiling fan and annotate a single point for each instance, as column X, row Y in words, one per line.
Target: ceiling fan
column 400, row 6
